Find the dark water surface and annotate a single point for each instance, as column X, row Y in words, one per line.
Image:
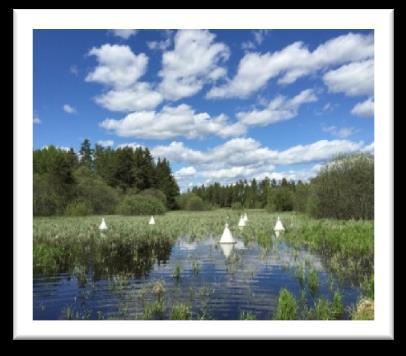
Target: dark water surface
column 216, row 281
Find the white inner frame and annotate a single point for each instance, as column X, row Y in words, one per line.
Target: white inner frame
column 27, row 20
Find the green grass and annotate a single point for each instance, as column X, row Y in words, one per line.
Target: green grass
column 347, row 247
column 287, row 306
column 154, row 311
column 181, row 312
column 313, row 281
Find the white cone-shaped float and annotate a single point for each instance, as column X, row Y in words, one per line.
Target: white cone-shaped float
column 151, row 221
column 227, row 249
column 241, row 223
column 279, row 226
column 227, row 237
column 245, row 218
column 103, row 225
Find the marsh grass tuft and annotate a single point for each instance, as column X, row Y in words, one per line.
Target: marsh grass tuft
column 313, row 281
column 181, row 312
column 247, row 316
column 322, row 310
column 154, row 311
column 300, row 274
column 364, row 310
column 177, row 272
column 158, row 289
column 287, row 306
column 337, row 307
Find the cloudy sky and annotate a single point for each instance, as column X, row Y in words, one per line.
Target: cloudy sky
column 221, row 105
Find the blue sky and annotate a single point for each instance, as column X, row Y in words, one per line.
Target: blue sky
column 221, row 105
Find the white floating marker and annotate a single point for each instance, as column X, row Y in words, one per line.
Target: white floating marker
column 279, row 226
column 241, row 223
column 151, row 220
column 227, row 237
column 103, row 225
column 245, row 218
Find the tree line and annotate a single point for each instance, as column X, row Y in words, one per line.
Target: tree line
column 343, row 189
column 129, row 181
column 100, row 180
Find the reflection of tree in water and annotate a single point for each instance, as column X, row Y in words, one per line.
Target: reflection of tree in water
column 102, row 259
column 136, row 258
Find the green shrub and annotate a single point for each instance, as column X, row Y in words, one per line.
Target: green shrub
column 155, row 193
column 131, row 191
column 140, row 205
column 92, row 189
column 79, row 208
column 236, row 206
column 182, row 200
column 344, row 189
column 45, row 201
column 287, row 306
column 280, row 199
column 195, row 204
column 191, row 201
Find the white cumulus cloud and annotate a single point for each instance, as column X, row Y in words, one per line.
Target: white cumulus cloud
column 246, row 158
column 191, row 64
column 279, row 109
column 132, row 145
column 292, row 62
column 120, row 69
column 369, row 148
column 140, row 96
column 185, row 172
column 248, row 152
column 163, row 44
column 259, row 36
column 172, row 122
column 352, row 79
column 124, row 33
column 364, row 109
column 69, row 109
column 105, row 143
column 36, row 120
column 118, row 66
column 343, row 132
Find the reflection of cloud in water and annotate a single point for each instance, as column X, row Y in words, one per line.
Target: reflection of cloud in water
column 284, row 255
column 189, row 246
